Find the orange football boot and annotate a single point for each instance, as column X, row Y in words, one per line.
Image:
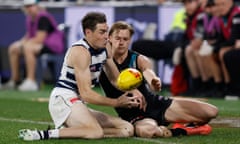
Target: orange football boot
column 194, row 130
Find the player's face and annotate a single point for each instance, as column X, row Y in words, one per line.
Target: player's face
column 120, row 40
column 214, row 11
column 30, row 10
column 191, row 6
column 223, row 6
column 98, row 37
column 207, row 10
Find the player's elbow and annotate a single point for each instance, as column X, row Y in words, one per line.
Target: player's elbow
column 86, row 95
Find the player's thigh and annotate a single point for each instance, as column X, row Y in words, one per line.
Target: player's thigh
column 108, row 121
column 190, row 110
column 80, row 116
column 32, row 47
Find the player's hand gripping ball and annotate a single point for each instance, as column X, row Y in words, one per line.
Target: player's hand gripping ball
column 129, row 79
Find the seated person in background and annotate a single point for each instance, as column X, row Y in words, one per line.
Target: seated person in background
column 230, row 25
column 201, row 61
column 232, row 62
column 159, row 110
column 180, row 79
column 42, row 36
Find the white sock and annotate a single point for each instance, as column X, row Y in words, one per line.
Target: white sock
column 53, row 133
column 36, row 135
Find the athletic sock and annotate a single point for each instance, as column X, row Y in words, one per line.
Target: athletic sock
column 40, row 135
column 47, row 134
column 53, row 133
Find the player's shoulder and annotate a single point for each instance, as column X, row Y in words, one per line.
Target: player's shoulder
column 77, row 56
column 142, row 60
column 79, row 50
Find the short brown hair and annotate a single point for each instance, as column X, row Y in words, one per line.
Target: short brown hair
column 91, row 19
column 121, row 25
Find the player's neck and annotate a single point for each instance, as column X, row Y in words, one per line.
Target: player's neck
column 119, row 58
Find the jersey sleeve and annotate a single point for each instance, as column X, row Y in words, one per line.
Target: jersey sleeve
column 45, row 25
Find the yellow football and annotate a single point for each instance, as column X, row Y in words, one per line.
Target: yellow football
column 129, row 79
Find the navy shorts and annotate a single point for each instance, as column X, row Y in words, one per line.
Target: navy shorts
column 156, row 110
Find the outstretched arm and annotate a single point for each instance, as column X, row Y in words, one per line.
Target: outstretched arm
column 146, row 67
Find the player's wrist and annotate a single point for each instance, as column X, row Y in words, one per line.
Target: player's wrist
column 116, row 103
column 113, row 102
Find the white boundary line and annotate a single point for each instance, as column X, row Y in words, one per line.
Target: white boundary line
column 25, row 121
column 50, row 123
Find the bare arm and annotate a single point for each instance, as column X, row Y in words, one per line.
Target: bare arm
column 152, row 79
column 110, row 67
column 79, row 58
column 39, row 37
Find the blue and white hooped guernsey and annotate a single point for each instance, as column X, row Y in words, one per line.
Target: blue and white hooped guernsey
column 98, row 59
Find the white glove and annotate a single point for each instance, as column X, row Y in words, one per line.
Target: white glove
column 205, row 49
column 177, row 54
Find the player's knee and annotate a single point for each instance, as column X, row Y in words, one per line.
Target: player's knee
column 13, row 50
column 188, row 51
column 210, row 113
column 146, row 131
column 213, row 112
column 127, row 130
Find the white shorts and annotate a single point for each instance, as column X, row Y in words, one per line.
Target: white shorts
column 60, row 103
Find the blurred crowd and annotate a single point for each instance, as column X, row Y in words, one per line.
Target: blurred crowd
column 206, row 49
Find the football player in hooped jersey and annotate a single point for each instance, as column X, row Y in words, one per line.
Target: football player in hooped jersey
column 82, row 65
column 160, row 110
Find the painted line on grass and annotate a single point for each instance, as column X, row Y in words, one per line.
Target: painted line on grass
column 25, row 121
column 152, row 140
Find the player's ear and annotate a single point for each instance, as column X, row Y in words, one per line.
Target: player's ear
column 87, row 31
column 110, row 39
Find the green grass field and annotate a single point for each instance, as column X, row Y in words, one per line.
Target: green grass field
column 20, row 110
